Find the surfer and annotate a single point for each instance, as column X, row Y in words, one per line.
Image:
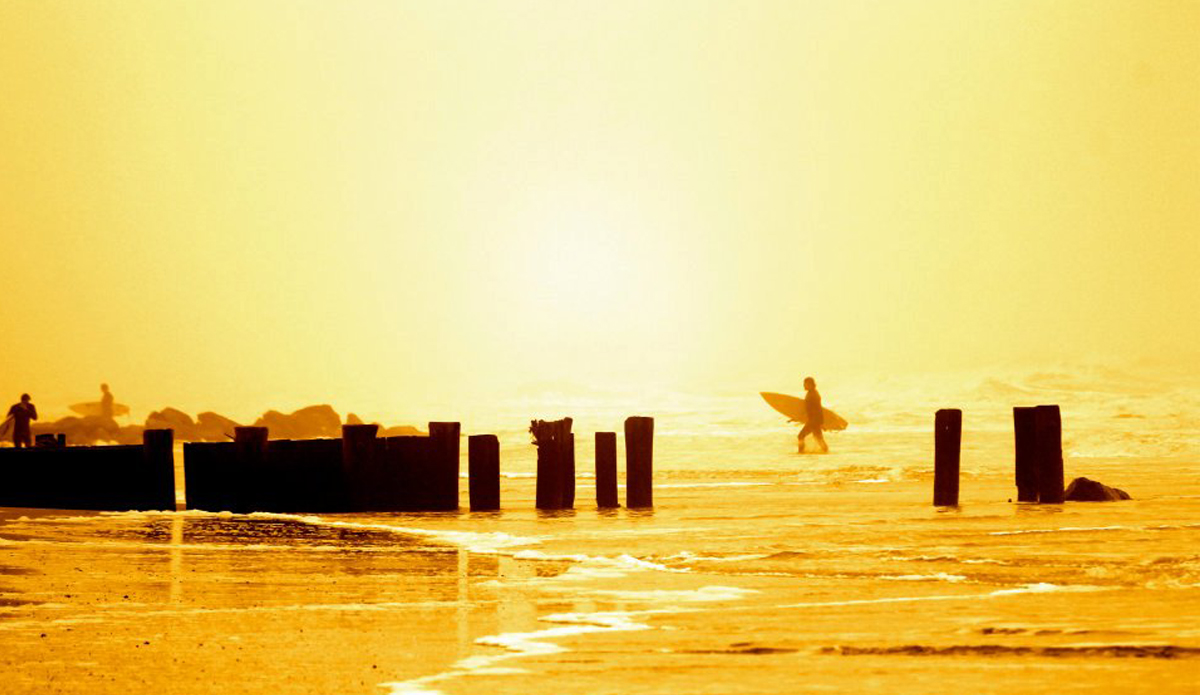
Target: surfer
column 106, row 402
column 816, row 416
column 20, row 414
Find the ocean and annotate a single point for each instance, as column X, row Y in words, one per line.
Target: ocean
column 758, row 570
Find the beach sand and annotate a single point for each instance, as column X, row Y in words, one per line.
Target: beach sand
column 757, row 571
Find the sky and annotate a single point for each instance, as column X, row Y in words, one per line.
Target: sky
column 238, row 205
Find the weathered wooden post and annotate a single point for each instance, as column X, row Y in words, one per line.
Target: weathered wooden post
column 483, row 471
column 568, row 472
column 639, row 462
column 358, row 467
column 1025, row 435
column 1049, row 459
column 443, row 474
column 947, row 440
column 158, row 460
column 250, row 447
column 552, row 441
column 606, row 470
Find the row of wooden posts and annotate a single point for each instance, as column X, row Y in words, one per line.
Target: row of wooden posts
column 360, row 472
column 1039, row 458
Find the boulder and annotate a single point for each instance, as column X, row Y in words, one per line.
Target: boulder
column 307, row 423
column 402, row 431
column 353, row 419
column 212, row 427
column 1086, row 490
column 319, row 421
column 173, row 419
column 80, row 431
column 130, row 434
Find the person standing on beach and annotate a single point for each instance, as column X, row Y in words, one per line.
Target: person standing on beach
column 21, row 414
column 814, row 415
column 106, row 402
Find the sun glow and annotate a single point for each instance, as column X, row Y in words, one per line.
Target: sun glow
column 290, row 202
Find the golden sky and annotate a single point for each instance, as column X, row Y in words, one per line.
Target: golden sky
column 239, row 205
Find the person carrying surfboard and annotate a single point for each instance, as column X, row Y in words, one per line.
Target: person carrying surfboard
column 20, row 414
column 106, row 402
column 816, row 416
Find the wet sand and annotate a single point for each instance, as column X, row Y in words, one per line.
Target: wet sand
column 758, row 571
column 737, row 586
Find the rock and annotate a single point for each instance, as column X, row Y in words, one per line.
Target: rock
column 211, row 427
column 307, row 423
column 173, row 419
column 81, row 431
column 353, row 419
column 319, row 421
column 402, row 431
column 1086, row 490
column 130, row 434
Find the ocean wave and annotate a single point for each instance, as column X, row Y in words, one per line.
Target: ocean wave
column 703, row 594
column 1063, row 529
column 1126, row 651
column 586, row 567
column 519, row 644
column 939, row 577
column 1037, row 588
column 948, row 558
column 688, row 556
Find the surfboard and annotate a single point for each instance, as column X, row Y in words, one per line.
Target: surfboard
column 96, row 409
column 793, row 408
column 6, row 428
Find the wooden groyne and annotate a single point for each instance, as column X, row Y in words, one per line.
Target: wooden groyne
column 1038, row 459
column 483, row 472
column 947, row 448
column 360, row 472
column 639, row 461
column 606, row 470
column 102, row 478
column 555, row 464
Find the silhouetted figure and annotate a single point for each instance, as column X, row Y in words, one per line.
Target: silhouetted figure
column 22, row 414
column 106, row 402
column 814, row 415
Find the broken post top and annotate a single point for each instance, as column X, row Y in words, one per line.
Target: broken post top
column 544, row 431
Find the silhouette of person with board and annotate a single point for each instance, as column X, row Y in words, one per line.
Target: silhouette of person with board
column 814, row 416
column 21, row 414
column 106, row 402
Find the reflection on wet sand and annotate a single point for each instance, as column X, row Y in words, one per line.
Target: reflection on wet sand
column 120, row 603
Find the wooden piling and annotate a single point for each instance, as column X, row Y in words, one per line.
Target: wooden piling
column 250, row 447
column 443, row 475
column 947, row 444
column 1049, row 459
column 408, row 462
column 552, row 439
column 606, row 470
column 1025, row 436
column 568, row 472
column 358, row 467
column 158, row 461
column 208, row 471
column 483, row 471
column 639, row 462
